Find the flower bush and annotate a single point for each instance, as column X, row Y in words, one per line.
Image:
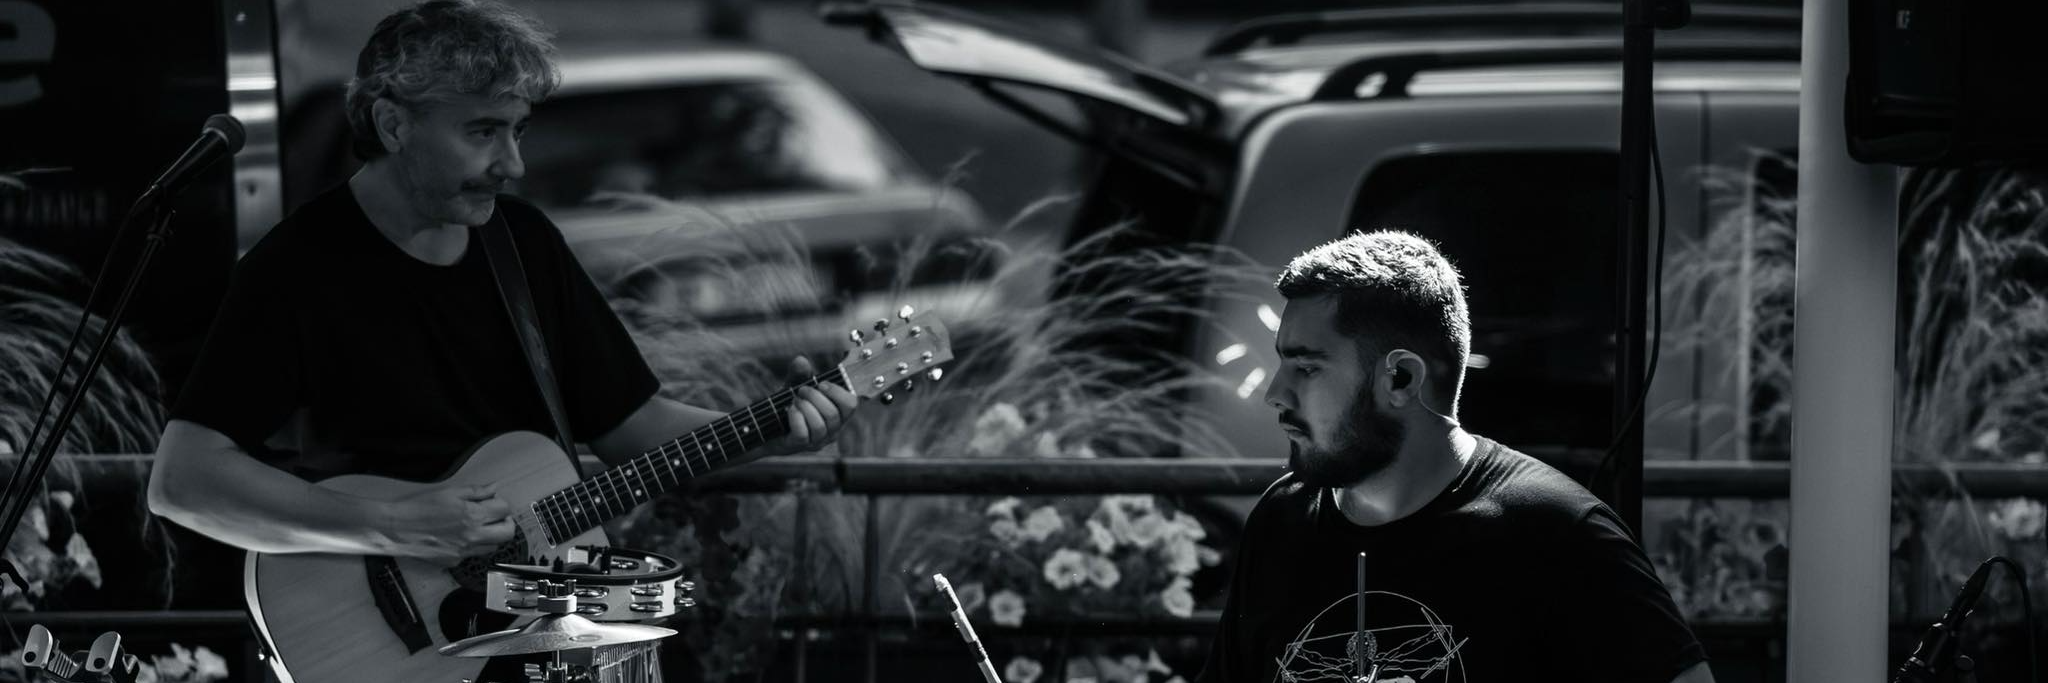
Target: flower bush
column 1079, row 555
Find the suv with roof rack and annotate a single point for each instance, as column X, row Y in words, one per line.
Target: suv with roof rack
column 1492, row 130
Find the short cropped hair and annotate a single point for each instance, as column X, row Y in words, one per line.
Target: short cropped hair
column 448, row 47
column 1394, row 291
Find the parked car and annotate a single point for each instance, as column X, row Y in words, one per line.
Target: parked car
column 1492, row 130
column 730, row 184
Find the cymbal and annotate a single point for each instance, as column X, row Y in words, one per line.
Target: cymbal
column 553, row 633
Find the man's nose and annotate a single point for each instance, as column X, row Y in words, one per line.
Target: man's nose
column 1278, row 394
column 509, row 165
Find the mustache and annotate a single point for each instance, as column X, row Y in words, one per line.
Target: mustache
column 1290, row 421
column 491, row 186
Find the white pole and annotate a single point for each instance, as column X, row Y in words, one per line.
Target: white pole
column 1843, row 327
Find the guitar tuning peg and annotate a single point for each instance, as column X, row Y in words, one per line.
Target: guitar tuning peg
column 856, row 336
column 904, row 313
column 936, row 374
column 909, row 386
column 888, row 399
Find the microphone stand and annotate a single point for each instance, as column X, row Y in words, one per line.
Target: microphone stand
column 28, row 473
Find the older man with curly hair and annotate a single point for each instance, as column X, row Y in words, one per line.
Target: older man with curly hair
column 367, row 329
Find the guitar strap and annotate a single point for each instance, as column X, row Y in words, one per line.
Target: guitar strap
column 503, row 256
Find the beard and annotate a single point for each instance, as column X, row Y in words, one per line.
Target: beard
column 1363, row 445
column 433, row 197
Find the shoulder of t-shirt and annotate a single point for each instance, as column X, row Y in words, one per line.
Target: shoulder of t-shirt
column 1534, row 490
column 1286, row 498
column 302, row 240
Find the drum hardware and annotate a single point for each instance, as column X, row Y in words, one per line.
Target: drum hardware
column 44, row 660
column 560, row 629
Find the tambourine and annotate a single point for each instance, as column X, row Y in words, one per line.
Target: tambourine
column 611, row 584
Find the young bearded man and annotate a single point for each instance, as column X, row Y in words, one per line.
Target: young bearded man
column 1483, row 564
column 369, row 321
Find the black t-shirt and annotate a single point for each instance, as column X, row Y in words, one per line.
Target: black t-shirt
column 397, row 365
column 1513, row 573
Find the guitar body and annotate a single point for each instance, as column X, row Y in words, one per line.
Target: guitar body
column 320, row 619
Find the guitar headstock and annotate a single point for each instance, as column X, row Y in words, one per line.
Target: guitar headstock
column 897, row 356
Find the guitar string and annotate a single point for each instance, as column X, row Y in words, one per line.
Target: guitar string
column 726, row 427
column 781, row 399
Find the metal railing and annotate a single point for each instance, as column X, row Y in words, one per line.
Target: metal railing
column 958, row 476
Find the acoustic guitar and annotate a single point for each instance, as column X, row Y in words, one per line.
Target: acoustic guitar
column 330, row 618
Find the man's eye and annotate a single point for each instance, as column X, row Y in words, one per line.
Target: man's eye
column 484, row 133
column 1304, row 370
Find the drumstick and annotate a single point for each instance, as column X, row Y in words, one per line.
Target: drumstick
column 988, row 669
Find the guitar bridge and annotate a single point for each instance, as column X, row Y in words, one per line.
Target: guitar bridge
column 395, row 603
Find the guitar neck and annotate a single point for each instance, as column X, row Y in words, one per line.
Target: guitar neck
column 596, row 500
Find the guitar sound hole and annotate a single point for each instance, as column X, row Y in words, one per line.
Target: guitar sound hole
column 462, row 615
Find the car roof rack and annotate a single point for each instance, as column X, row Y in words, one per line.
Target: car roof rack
column 1400, row 70
column 1292, row 28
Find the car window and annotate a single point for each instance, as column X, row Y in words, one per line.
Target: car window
column 1532, row 233
column 704, row 140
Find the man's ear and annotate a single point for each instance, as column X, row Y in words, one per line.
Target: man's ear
column 1404, row 376
column 392, row 122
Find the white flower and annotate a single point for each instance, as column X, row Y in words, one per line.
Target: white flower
column 1006, row 507
column 2019, row 518
column 1181, row 557
column 1102, row 572
column 81, row 555
column 1082, row 452
column 1042, row 523
column 208, row 666
column 1022, row 670
column 1987, row 441
column 1048, row 445
column 1066, row 568
column 1099, row 536
column 1128, row 504
column 1177, row 599
column 1208, row 556
column 995, row 430
column 971, row 596
column 1156, row 665
column 1146, row 530
column 176, row 666
column 1126, row 669
column 1006, row 608
column 1186, row 526
column 1007, row 531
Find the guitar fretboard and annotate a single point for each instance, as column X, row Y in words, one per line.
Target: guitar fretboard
column 593, row 501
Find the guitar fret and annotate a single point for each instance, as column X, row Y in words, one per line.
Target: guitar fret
column 590, row 502
column 757, row 425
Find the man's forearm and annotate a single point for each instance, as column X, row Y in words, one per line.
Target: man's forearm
column 203, row 482
column 656, row 422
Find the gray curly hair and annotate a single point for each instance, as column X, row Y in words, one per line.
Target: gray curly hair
column 1394, row 290
column 448, row 47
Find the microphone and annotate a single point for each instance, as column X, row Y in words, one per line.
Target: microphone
column 221, row 137
column 1936, row 650
column 988, row 669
